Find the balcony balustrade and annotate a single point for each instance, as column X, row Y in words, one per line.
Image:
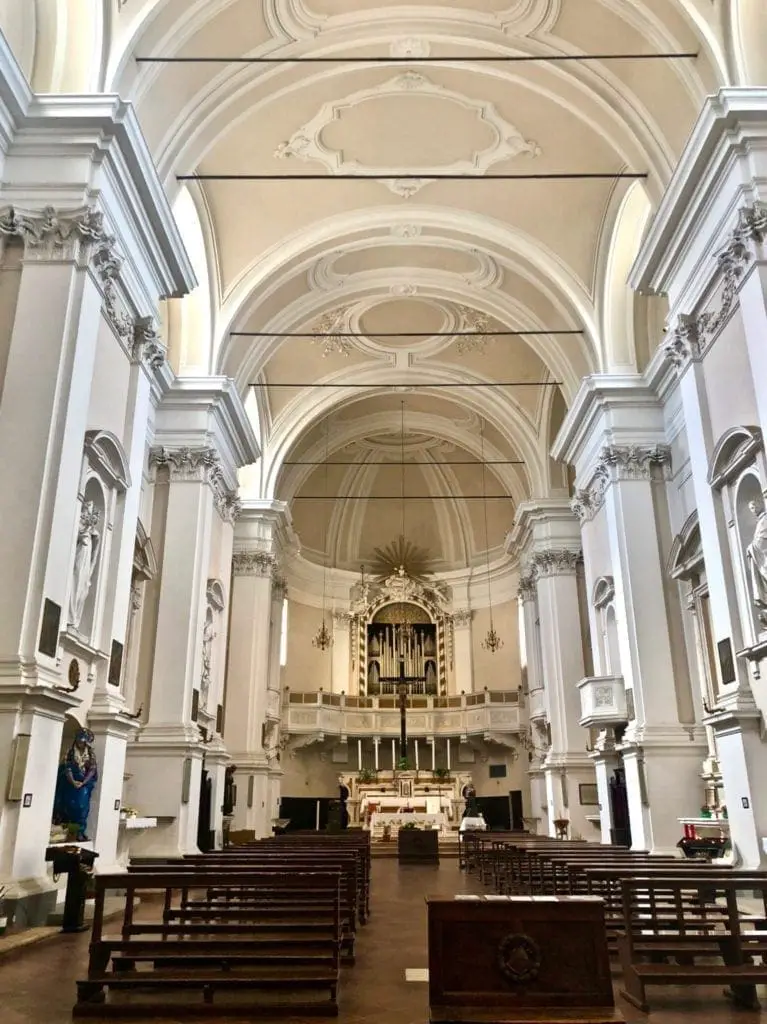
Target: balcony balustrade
column 603, row 702
column 335, row 714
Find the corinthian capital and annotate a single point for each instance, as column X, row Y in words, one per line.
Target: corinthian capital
column 146, row 342
column 185, row 463
column 555, row 562
column 253, row 563
column 637, row 461
column 50, row 234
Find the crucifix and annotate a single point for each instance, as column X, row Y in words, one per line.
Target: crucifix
column 402, row 691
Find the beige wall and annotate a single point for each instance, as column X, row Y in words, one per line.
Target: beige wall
column 307, row 668
column 729, row 384
column 111, row 381
column 502, row 670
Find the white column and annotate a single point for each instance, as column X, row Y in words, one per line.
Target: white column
column 745, row 763
column 43, row 418
column 656, row 747
column 752, row 296
column 463, row 659
column 566, row 765
column 111, row 734
column 166, row 759
column 248, row 681
column 606, row 760
column 341, row 653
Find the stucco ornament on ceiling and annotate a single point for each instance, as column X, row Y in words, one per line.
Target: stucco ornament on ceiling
column 507, row 143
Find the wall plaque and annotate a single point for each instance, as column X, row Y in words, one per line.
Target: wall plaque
column 49, row 630
column 726, row 661
column 115, row 663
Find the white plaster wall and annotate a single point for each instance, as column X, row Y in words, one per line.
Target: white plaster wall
column 111, row 381
column 307, row 668
column 729, row 384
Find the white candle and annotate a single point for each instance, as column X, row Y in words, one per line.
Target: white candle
column 359, row 755
column 394, row 753
column 433, row 754
column 448, row 753
column 416, row 754
column 375, row 751
column 317, row 821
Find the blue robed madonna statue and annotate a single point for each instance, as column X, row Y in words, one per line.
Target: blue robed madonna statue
column 78, row 774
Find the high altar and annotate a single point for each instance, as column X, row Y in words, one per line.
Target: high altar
column 397, row 797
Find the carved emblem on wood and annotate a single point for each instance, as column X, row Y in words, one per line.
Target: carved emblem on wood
column 519, row 958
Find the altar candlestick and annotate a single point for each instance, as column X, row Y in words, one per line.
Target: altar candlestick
column 416, row 754
column 359, row 755
column 448, row 753
column 375, row 751
column 433, row 754
column 394, row 753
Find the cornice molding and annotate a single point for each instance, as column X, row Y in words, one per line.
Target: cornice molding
column 694, row 334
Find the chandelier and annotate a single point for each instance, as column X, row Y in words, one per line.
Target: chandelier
column 323, row 638
column 492, row 641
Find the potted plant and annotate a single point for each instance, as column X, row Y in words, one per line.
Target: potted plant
column 366, row 775
column 441, row 774
column 705, row 812
column 403, row 765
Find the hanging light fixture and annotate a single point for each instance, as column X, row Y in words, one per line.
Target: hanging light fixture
column 323, row 638
column 492, row 641
column 405, row 629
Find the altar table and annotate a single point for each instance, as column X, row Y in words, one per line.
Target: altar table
column 381, row 818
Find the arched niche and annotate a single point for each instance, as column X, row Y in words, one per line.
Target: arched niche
column 603, row 603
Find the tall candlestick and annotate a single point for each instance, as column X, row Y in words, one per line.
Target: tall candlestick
column 359, row 755
column 433, row 754
column 416, row 754
column 375, row 751
column 448, row 753
column 394, row 753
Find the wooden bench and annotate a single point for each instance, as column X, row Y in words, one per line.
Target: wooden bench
column 717, row 947
column 193, row 943
column 256, row 864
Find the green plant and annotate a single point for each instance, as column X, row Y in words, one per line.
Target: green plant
column 441, row 773
column 403, row 765
column 366, row 775
column 409, row 826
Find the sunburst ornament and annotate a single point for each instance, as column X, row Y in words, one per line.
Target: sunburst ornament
column 401, row 556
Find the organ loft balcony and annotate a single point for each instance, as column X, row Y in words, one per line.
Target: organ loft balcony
column 487, row 714
column 603, row 702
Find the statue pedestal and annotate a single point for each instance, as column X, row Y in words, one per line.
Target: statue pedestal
column 76, row 862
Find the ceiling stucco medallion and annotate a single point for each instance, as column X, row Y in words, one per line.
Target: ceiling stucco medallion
column 507, row 141
column 403, row 289
column 334, row 330
column 473, row 320
column 406, row 230
column 411, row 47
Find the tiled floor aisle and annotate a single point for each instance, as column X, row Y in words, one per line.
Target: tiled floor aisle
column 38, row 985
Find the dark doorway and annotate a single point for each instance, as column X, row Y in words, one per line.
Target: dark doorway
column 206, row 838
column 302, row 812
column 496, row 810
column 517, row 814
column 620, row 833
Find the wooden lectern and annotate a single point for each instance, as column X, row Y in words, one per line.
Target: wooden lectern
column 519, row 959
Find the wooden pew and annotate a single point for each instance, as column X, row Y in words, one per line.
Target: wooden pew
column 657, row 930
column 260, row 864
column 190, row 944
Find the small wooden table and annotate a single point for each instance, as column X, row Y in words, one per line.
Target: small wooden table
column 519, row 959
column 418, row 846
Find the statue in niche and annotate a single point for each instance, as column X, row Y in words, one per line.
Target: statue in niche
column 78, row 774
column 208, row 636
column 86, row 558
column 756, row 553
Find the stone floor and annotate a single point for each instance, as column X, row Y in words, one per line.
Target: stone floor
column 37, row 984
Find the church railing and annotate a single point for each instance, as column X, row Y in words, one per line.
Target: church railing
column 456, row 715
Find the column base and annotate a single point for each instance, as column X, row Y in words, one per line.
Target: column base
column 165, row 762
column 743, row 760
column 252, row 807
column 112, row 729
column 564, row 775
column 655, row 806
column 216, row 760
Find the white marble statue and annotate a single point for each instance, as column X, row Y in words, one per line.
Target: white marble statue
column 208, row 636
column 757, row 560
column 86, row 559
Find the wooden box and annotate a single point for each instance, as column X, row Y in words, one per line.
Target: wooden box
column 418, row 845
column 519, row 959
